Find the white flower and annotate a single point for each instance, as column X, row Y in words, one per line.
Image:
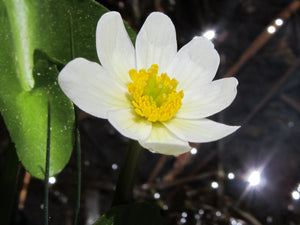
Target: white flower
column 151, row 92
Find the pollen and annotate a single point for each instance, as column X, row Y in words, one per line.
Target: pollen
column 154, row 97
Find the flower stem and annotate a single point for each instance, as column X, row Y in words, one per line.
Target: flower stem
column 78, row 153
column 46, row 191
column 125, row 184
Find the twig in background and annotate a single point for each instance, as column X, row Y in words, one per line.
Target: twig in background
column 23, row 192
column 261, row 39
column 295, row 105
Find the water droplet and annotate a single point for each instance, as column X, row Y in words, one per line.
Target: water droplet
column 182, row 220
column 114, row 166
column 184, row 214
column 156, row 195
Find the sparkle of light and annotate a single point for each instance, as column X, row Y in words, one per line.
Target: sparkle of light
column 114, row 166
column 295, row 195
column 156, row 195
column 291, row 207
column 271, row 29
column 233, row 221
column 214, row 185
column 278, row 22
column 182, row 220
column 184, row 214
column 254, row 178
column 194, row 151
column 269, row 219
column 230, row 176
column 218, row 214
column 52, row 180
column 210, row 34
column 197, row 216
column 201, row 211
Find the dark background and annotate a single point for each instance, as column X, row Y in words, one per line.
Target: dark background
column 267, row 106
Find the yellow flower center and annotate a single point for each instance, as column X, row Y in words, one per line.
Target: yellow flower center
column 154, row 97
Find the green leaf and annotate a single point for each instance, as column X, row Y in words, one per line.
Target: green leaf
column 64, row 30
column 132, row 214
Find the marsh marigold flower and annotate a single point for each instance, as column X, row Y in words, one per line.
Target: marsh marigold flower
column 150, row 92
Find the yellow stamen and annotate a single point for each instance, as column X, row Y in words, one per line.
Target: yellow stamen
column 154, row 97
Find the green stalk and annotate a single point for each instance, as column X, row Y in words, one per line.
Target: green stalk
column 125, row 183
column 78, row 153
column 46, row 194
column 8, row 184
column 77, row 134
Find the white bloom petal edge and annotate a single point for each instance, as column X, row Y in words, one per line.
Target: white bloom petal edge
column 161, row 140
column 204, row 101
column 129, row 124
column 114, row 47
column 91, row 88
column 195, row 63
column 156, row 42
column 202, row 131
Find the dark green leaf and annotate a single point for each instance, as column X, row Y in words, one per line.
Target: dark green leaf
column 132, row 214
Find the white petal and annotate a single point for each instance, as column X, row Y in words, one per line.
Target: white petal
column 200, row 131
column 163, row 141
column 156, row 42
column 114, row 47
column 207, row 100
column 197, row 61
column 91, row 88
column 129, row 124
